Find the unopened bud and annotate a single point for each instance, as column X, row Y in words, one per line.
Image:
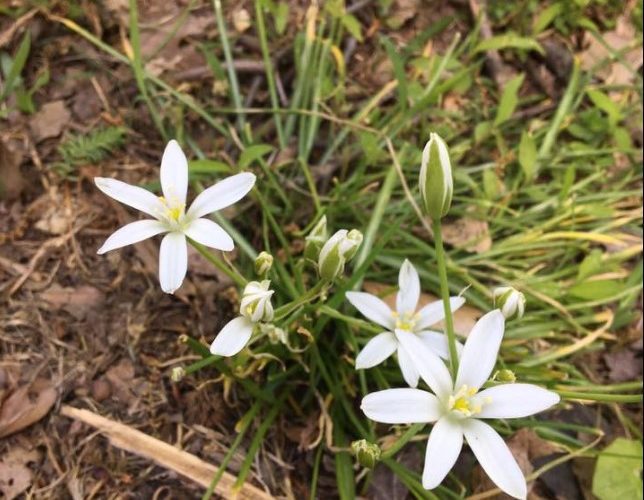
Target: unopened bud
column 368, row 454
column 256, row 301
column 263, row 263
column 340, row 247
column 435, row 182
column 177, row 374
column 315, row 240
column 505, row 375
column 510, row 301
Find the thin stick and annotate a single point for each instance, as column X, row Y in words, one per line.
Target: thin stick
column 164, row 454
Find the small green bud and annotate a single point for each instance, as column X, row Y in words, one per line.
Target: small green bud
column 368, row 454
column 256, row 301
column 315, row 240
column 177, row 374
column 505, row 376
column 510, row 301
column 435, row 182
column 339, row 248
column 263, row 263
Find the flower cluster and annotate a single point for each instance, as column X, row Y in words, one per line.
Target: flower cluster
column 462, row 396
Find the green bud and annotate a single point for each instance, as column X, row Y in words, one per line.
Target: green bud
column 350, row 246
column 505, row 376
column 435, row 182
column 368, row 454
column 263, row 263
column 510, row 301
column 315, row 240
column 335, row 253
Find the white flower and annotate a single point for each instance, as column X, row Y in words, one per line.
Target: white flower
column 171, row 217
column 404, row 319
column 458, row 407
column 255, row 307
column 510, row 301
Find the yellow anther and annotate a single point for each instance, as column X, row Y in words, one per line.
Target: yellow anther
column 461, row 402
column 175, row 212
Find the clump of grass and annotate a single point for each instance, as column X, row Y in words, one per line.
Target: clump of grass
column 90, row 148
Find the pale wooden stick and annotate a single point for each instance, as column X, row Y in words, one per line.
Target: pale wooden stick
column 164, row 454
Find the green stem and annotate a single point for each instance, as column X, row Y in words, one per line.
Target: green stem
column 218, row 263
column 442, row 275
column 287, row 309
column 601, row 397
column 402, row 441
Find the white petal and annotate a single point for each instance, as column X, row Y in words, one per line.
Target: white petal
column 407, row 367
column 224, row 193
column 480, row 351
column 428, row 364
column 443, row 447
column 401, row 406
column 132, row 233
column 515, row 401
column 173, row 261
column 376, row 350
column 133, row 196
column 437, row 343
column 174, row 174
column 435, row 312
column 209, row 233
column 495, row 457
column 233, row 337
column 409, row 289
column 372, row 308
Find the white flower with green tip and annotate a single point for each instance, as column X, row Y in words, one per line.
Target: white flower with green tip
column 255, row 307
column 171, row 217
column 458, row 407
column 404, row 319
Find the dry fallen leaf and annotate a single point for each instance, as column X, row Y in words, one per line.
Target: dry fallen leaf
column 464, row 319
column 77, row 301
column 469, row 234
column 27, row 405
column 11, row 180
column 50, row 120
column 15, row 476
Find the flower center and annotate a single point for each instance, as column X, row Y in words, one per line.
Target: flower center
column 173, row 210
column 461, row 404
column 405, row 321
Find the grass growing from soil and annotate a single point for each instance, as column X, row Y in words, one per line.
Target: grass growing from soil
column 547, row 198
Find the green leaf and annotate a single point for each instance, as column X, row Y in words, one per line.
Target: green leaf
column 399, row 70
column 528, row 155
column 482, row 131
column 592, row 264
column 618, row 473
column 280, row 16
column 508, row 41
column 491, row 184
column 607, row 105
column 208, row 167
column 546, row 16
column 352, row 25
column 596, row 290
column 253, row 153
column 16, row 66
column 509, row 99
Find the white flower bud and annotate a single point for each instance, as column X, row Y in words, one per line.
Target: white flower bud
column 263, row 263
column 256, row 301
column 510, row 301
column 435, row 182
column 340, row 247
column 315, row 240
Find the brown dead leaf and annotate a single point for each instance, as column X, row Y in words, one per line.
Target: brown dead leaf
column 623, row 365
column 15, row 476
column 50, row 120
column 464, row 319
column 26, row 406
column 618, row 39
column 77, row 301
column 11, row 180
column 469, row 234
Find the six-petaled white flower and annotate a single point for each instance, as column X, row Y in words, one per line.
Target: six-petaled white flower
column 255, row 307
column 170, row 215
column 404, row 319
column 458, row 406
